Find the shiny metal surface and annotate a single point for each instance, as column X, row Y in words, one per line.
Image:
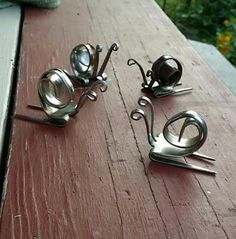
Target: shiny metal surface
column 169, row 148
column 84, row 61
column 56, row 94
column 165, row 76
column 56, row 87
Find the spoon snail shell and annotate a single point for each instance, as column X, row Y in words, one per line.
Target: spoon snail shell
column 84, row 60
column 56, row 94
column 186, row 146
column 56, row 87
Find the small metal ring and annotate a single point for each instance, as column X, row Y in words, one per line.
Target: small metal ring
column 58, row 79
column 189, row 145
column 88, row 54
column 160, row 62
column 50, row 84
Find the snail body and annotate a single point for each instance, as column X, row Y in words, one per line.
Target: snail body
column 57, row 94
column 168, row 148
column 164, row 76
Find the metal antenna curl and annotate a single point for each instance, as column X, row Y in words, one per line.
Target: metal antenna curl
column 131, row 62
column 90, row 94
column 137, row 114
column 144, row 101
column 114, row 47
column 100, row 82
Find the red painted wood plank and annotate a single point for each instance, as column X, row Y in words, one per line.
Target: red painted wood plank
column 93, row 179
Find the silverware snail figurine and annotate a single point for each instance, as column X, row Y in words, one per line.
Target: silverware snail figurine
column 56, row 94
column 84, row 60
column 165, row 76
column 56, row 87
column 170, row 149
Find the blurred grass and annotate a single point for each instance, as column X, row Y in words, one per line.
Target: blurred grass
column 209, row 21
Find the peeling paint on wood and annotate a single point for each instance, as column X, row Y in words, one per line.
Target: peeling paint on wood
column 93, row 179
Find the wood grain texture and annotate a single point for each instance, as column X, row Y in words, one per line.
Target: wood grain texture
column 9, row 31
column 93, row 179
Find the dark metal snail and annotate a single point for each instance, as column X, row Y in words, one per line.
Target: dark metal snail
column 170, row 149
column 164, row 76
column 84, row 60
column 56, row 93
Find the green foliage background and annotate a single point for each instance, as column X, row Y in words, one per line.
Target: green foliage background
column 211, row 21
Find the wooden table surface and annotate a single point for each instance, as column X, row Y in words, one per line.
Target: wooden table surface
column 93, row 178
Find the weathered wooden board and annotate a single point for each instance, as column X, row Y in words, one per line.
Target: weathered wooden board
column 93, row 179
column 9, row 31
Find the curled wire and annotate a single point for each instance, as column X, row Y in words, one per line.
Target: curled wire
column 137, row 114
column 131, row 62
column 171, row 149
column 113, row 47
column 100, row 82
column 145, row 101
column 90, row 94
column 189, row 145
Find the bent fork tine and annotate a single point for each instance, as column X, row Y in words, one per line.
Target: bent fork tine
column 40, row 121
column 182, row 165
column 35, row 107
column 202, row 156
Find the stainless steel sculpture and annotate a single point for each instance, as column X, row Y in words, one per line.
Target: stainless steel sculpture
column 84, row 60
column 170, row 149
column 164, row 76
column 56, row 93
column 56, row 87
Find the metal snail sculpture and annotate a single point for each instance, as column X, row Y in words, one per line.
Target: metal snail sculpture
column 56, row 87
column 164, row 76
column 170, row 149
column 84, row 60
column 56, row 94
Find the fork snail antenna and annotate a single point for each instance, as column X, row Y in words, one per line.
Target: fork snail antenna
column 131, row 62
column 137, row 114
column 114, row 47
